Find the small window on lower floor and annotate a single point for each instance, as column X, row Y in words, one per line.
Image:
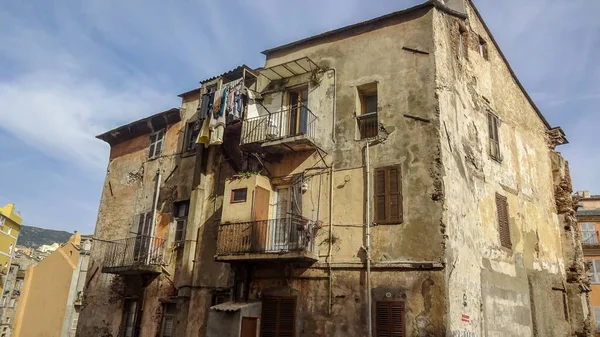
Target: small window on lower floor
column 239, row 195
column 597, row 318
column 168, row 321
column 389, row 319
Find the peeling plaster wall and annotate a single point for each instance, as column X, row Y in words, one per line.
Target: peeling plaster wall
column 128, row 191
column 504, row 292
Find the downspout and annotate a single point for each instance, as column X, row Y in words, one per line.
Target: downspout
column 154, row 207
column 368, row 242
column 330, row 236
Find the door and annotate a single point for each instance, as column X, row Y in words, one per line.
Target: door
column 261, row 216
column 142, row 239
column 249, row 327
column 298, row 100
column 130, row 319
column 280, row 226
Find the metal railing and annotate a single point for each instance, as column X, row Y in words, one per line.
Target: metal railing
column 368, row 125
column 295, row 121
column 293, row 233
column 135, row 251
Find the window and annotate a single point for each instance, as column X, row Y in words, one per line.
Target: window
column 9, row 230
column 10, row 247
column 493, row 125
column 181, row 215
column 74, row 324
column 168, row 320
column 368, row 125
column 19, row 284
column 156, row 144
column 191, row 133
column 597, row 318
column 1, row 220
column 278, row 318
column 588, row 233
column 389, row 319
column 503, row 223
column 463, row 42
column 594, row 267
column 12, row 302
column 130, row 314
column 239, row 195
column 3, row 302
column 220, row 296
column 388, row 195
column 483, row 48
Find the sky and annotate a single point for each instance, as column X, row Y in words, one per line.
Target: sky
column 70, row 70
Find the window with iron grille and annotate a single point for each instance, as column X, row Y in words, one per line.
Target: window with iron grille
column 156, row 144
column 503, row 220
column 389, row 319
column 168, row 320
column 588, row 233
column 494, row 136
column 388, row 195
column 278, row 318
column 182, row 209
column 367, row 118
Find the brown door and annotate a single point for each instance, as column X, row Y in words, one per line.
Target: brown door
column 249, row 326
column 298, row 101
column 278, row 318
column 261, row 215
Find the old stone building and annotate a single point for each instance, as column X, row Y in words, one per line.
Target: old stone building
column 389, row 178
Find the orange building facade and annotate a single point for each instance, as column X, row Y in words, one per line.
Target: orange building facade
column 588, row 217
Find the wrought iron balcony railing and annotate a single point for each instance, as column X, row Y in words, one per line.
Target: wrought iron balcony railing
column 138, row 251
column 295, row 121
column 273, row 236
column 368, row 125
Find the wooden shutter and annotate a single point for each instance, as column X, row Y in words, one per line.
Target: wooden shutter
column 380, row 209
column 278, row 317
column 503, row 223
column 388, row 195
column 389, row 319
column 494, row 136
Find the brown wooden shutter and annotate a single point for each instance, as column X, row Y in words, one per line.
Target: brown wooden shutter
column 278, row 317
column 389, row 319
column 388, row 195
column 503, row 223
column 380, row 209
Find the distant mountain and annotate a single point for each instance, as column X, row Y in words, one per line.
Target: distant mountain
column 35, row 237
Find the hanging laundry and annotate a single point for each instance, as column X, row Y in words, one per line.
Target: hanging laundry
column 216, row 136
column 204, row 135
column 216, row 107
column 205, row 106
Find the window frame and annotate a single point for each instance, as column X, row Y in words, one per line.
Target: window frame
column 503, row 215
column 181, row 219
column 593, row 234
column 233, row 193
column 387, row 195
column 189, row 138
column 595, row 270
column 154, row 151
column 484, row 49
column 363, row 117
column 494, row 136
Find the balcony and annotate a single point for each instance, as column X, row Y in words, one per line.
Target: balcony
column 290, row 238
column 290, row 130
column 134, row 256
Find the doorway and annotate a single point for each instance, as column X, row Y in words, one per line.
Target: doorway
column 298, row 102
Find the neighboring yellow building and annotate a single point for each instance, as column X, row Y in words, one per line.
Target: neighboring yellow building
column 10, row 226
column 51, row 294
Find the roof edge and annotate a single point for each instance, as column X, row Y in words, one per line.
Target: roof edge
column 428, row 3
column 106, row 136
column 485, row 26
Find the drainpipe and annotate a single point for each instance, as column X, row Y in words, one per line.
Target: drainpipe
column 330, row 235
column 154, row 207
column 368, row 242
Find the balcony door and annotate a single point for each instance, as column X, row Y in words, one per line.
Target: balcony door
column 281, row 225
column 142, row 239
column 298, row 101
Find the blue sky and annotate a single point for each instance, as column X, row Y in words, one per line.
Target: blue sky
column 70, row 70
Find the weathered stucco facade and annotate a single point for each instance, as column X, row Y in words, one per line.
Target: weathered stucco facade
column 305, row 222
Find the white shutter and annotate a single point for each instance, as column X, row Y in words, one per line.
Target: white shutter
column 595, row 276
